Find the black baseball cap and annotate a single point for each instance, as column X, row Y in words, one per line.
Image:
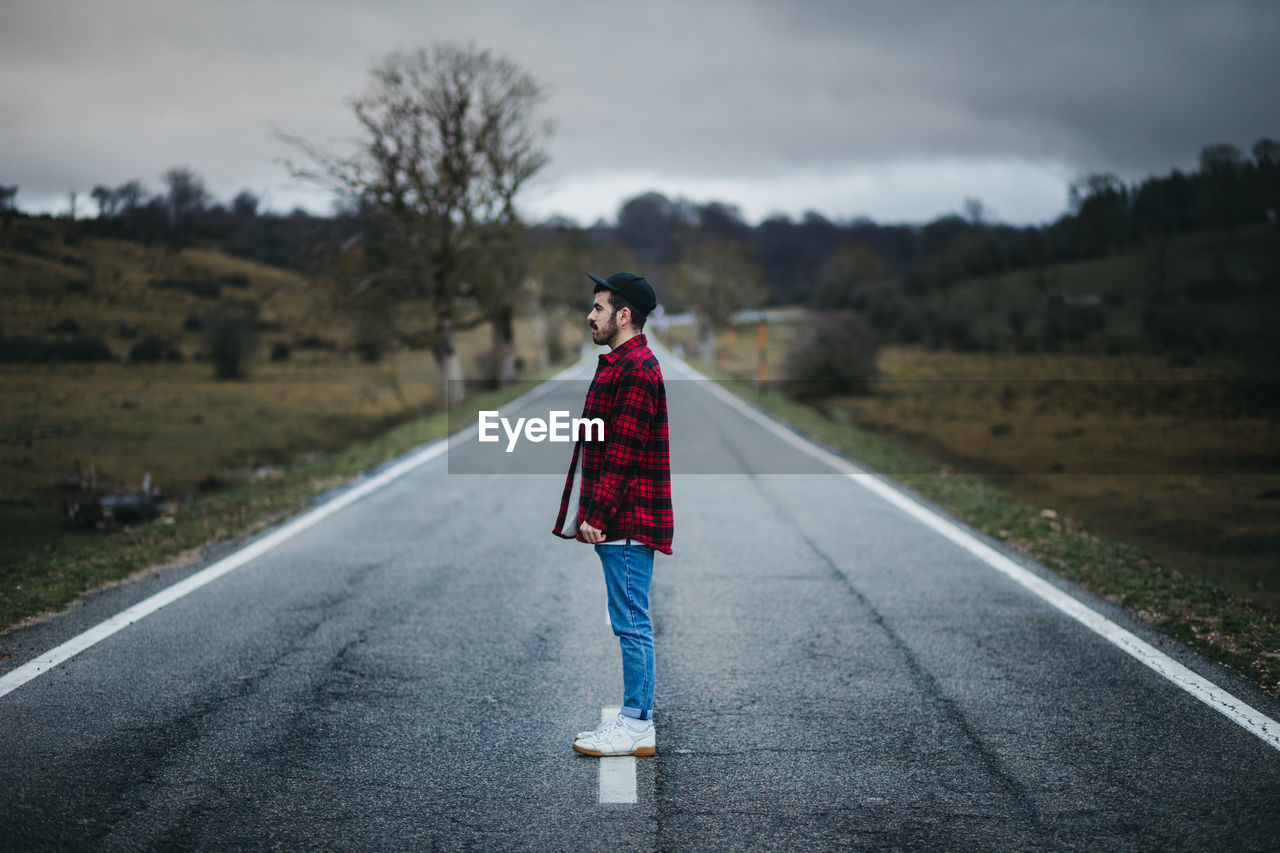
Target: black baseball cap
column 630, row 287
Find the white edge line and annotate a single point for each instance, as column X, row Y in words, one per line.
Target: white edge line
column 19, row 676
column 617, row 773
column 1235, row 709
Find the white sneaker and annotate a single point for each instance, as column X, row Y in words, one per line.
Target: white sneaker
column 616, row 738
column 617, row 718
column 600, row 728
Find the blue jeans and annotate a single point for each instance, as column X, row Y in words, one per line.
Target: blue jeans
column 628, row 569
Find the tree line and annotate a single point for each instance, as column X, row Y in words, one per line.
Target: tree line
column 449, row 137
column 1104, row 215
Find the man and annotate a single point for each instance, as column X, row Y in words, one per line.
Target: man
column 624, row 507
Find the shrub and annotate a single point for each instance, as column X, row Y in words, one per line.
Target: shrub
column 374, row 330
column 1017, row 316
column 26, row 244
column 81, row 348
column 835, row 354
column 280, row 351
column 1074, row 323
column 152, row 349
column 21, row 348
column 1260, row 352
column 1185, row 327
column 29, row 350
column 912, row 330
column 1212, row 289
column 196, row 287
column 556, row 352
column 67, row 326
column 949, row 326
column 887, row 310
column 486, row 370
column 229, row 334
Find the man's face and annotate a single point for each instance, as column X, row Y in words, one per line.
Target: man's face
column 602, row 319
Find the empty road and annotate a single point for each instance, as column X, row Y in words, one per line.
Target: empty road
column 832, row 673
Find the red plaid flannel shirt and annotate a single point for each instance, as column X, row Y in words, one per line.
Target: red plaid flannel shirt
column 626, row 479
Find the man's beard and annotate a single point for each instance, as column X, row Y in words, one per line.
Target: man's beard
column 603, row 333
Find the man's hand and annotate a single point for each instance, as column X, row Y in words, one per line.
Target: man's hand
column 590, row 534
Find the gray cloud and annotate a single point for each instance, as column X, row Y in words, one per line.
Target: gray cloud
column 708, row 92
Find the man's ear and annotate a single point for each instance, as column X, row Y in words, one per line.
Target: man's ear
column 619, row 320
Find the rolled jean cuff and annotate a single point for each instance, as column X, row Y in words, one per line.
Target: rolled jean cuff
column 636, row 713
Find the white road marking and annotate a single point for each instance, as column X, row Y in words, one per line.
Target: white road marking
column 618, row 773
column 1233, row 708
column 21, row 675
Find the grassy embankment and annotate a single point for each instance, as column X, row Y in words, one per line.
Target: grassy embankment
column 1216, row 284
column 230, row 456
column 1152, row 481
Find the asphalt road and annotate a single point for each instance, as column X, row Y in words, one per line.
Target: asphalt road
column 831, row 674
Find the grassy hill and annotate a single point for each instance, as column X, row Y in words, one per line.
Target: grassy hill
column 1245, row 258
column 223, row 453
column 55, row 280
column 1203, row 292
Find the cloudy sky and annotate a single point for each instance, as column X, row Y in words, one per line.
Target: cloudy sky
column 893, row 110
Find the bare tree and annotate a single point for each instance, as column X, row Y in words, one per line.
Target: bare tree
column 1266, row 152
column 107, row 201
column 185, row 195
column 715, row 278
column 510, row 143
column 975, row 211
column 448, row 139
column 245, row 204
column 130, row 197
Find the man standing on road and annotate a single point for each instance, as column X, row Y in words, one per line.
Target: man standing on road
column 624, row 507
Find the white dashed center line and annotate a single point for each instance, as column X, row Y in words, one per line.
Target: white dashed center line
column 617, row 774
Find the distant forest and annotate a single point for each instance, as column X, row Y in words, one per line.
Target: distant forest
column 1104, row 216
